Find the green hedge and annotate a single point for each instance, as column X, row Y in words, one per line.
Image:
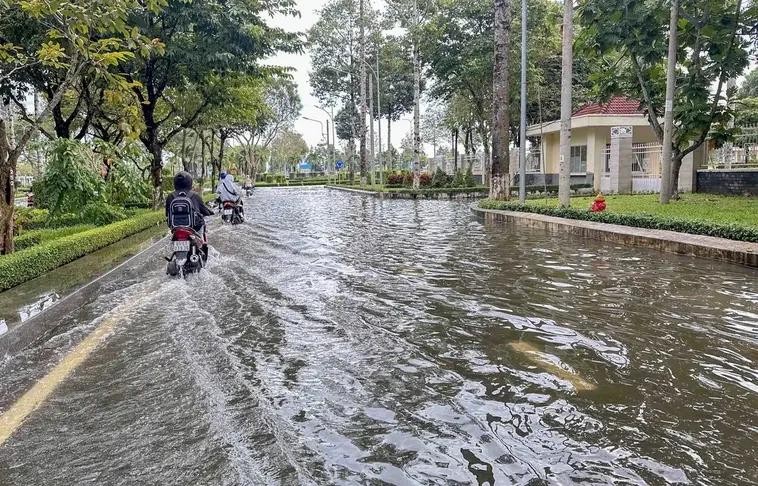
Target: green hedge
column 649, row 221
column 35, row 237
column 440, row 190
column 301, row 182
column 25, row 265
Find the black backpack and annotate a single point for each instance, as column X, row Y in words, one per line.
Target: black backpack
column 181, row 213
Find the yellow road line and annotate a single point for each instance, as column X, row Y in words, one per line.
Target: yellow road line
column 538, row 358
column 14, row 417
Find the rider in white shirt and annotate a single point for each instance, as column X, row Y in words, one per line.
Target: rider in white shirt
column 228, row 191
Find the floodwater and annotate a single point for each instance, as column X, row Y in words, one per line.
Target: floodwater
column 340, row 339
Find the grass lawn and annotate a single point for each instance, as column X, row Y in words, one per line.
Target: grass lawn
column 737, row 210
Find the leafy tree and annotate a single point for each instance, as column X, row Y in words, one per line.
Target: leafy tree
column 716, row 40
column 433, row 127
column 413, row 15
column 204, row 41
column 288, row 149
column 749, row 88
column 396, row 76
column 282, row 106
column 746, row 105
column 80, row 37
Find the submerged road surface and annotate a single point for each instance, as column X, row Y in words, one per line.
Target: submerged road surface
column 339, row 339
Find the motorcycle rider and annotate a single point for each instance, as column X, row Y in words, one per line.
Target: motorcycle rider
column 183, row 185
column 228, row 191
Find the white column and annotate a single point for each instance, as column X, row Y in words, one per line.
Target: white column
column 621, row 160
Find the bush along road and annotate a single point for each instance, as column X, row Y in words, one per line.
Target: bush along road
column 639, row 220
column 48, row 254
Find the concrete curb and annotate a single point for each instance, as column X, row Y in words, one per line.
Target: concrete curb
column 721, row 249
column 24, row 334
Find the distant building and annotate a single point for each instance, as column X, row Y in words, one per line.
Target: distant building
column 592, row 127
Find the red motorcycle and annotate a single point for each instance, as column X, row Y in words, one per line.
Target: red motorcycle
column 188, row 255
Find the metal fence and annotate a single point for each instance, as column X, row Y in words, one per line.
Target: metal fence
column 473, row 161
column 742, row 153
column 646, row 162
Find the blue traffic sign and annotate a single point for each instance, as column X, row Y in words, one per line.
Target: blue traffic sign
column 340, row 165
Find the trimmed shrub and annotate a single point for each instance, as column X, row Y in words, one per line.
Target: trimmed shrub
column 25, row 265
column 468, row 179
column 441, row 190
column 35, row 237
column 100, row 214
column 648, row 221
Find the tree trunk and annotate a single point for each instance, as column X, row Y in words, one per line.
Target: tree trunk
column 202, row 162
column 564, row 176
column 214, row 174
column 668, row 122
column 455, row 150
column 487, row 155
column 62, row 126
column 500, row 181
column 185, row 167
column 222, row 137
column 156, row 173
column 8, row 159
column 676, row 167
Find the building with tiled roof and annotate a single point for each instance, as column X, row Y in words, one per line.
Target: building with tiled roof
column 618, row 105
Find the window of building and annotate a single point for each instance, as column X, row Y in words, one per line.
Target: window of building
column 579, row 159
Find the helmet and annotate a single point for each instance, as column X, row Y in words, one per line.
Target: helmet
column 222, row 175
column 183, row 181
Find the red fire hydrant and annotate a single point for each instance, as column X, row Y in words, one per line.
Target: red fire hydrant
column 598, row 206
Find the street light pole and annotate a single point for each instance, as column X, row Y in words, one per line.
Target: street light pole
column 379, row 117
column 371, row 129
column 522, row 133
column 334, row 137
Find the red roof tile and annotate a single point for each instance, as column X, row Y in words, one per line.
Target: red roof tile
column 618, row 105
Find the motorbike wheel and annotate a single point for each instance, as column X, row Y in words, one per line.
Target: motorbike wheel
column 172, row 269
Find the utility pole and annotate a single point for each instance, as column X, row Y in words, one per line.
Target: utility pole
column 371, row 125
column 668, row 117
column 326, row 170
column 379, row 115
column 362, row 54
column 416, row 101
column 564, row 176
column 522, row 133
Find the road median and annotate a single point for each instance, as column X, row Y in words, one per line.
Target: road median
column 37, row 260
column 698, row 245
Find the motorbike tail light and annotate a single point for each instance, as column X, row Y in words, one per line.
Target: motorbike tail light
column 181, row 234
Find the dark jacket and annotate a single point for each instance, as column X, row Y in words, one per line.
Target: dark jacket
column 183, row 183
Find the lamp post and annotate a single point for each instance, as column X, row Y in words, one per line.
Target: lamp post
column 322, row 127
column 334, row 136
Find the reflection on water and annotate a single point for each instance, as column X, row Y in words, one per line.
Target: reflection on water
column 44, row 302
column 340, row 339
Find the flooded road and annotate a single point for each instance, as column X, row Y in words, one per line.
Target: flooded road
column 340, row 339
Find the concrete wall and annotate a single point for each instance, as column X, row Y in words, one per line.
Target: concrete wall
column 728, row 182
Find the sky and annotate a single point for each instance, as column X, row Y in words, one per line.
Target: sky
column 312, row 131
